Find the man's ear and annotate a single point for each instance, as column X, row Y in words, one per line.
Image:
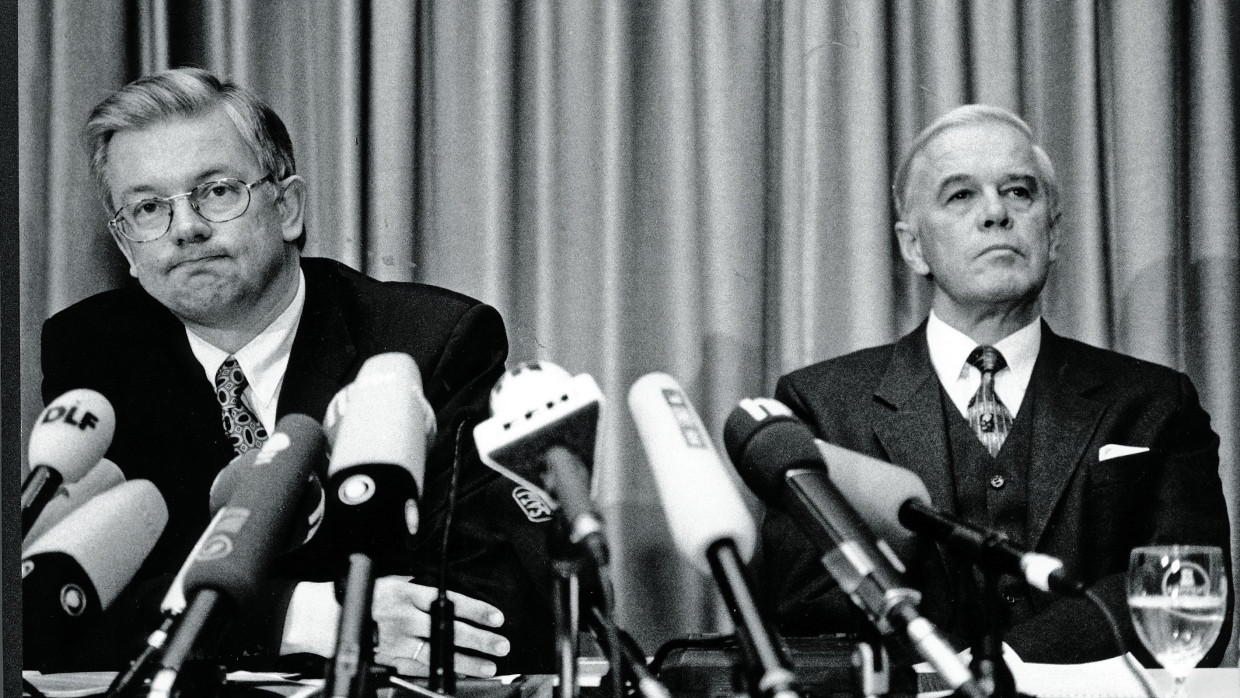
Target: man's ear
column 909, row 238
column 292, row 205
column 1053, row 232
column 124, row 245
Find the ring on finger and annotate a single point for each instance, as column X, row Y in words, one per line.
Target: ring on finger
column 418, row 650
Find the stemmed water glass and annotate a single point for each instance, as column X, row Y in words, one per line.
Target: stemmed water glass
column 1177, row 595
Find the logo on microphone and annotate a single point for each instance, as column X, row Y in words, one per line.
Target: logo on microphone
column 73, row 599
column 533, row 506
column 356, row 489
column 761, row 408
column 55, row 413
column 227, row 523
column 278, row 442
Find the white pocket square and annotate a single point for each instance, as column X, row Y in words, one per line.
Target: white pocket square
column 1110, row 451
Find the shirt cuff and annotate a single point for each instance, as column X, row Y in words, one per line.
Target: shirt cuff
column 310, row 624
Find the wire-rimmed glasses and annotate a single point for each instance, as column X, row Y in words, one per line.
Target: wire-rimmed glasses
column 217, row 201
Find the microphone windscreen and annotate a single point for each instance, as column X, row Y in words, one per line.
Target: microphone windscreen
column 104, row 476
column 244, row 537
column 875, row 488
column 310, row 507
column 386, row 419
column 72, row 433
column 764, row 441
column 109, row 536
column 699, row 498
column 525, row 384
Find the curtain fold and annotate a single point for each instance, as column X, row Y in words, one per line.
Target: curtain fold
column 701, row 188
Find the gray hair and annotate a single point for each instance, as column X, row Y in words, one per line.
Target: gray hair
column 971, row 114
column 186, row 92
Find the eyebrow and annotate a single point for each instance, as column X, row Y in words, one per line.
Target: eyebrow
column 207, row 175
column 960, row 178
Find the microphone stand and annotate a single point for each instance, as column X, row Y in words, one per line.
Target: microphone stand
column 566, row 593
column 350, row 671
column 992, row 672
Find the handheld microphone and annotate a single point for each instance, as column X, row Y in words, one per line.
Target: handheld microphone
column 542, row 435
column 776, row 456
column 236, row 551
column 69, row 437
column 710, row 524
column 102, row 477
column 74, row 572
column 894, row 500
column 378, row 462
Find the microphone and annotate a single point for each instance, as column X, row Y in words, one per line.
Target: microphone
column 710, row 524
column 102, row 477
column 74, row 572
column 542, row 435
column 70, row 436
column 310, row 508
column 893, row 499
column 382, row 424
column 776, row 456
column 235, row 553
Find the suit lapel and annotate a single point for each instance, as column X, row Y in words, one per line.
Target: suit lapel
column 323, row 352
column 1064, row 422
column 912, row 432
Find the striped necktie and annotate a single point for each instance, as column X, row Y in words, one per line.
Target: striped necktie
column 988, row 416
column 242, row 426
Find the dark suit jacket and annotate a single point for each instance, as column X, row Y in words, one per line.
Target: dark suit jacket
column 885, row 402
column 127, row 346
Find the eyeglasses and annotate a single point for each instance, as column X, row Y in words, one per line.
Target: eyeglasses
column 219, row 201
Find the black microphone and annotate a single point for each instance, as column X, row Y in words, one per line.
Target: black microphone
column 236, row 551
column 72, row 573
column 776, row 456
column 892, row 499
column 68, row 439
column 542, row 435
column 709, row 521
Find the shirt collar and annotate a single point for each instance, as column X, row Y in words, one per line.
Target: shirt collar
column 265, row 357
column 949, row 348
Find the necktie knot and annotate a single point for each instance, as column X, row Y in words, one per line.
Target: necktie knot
column 987, row 359
column 241, row 425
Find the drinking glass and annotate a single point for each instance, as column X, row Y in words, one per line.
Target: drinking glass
column 1177, row 595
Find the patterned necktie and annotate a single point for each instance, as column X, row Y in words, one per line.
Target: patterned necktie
column 244, row 429
column 988, row 416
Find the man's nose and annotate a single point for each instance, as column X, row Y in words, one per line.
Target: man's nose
column 186, row 225
column 994, row 212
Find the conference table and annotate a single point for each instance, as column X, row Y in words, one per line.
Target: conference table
column 1202, row 683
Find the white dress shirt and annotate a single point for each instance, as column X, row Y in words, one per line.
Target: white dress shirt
column 263, row 359
column 950, row 349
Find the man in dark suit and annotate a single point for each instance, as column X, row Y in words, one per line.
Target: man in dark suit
column 231, row 329
column 1069, row 450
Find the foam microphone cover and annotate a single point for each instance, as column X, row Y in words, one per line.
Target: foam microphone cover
column 310, row 507
column 875, row 488
column 72, row 433
column 765, row 441
column 378, row 463
column 241, row 542
column 699, row 498
column 101, row 478
column 108, row 538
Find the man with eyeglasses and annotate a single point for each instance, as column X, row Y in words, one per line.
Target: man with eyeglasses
column 229, row 329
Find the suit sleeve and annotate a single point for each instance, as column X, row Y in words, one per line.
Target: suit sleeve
column 492, row 551
column 1181, row 501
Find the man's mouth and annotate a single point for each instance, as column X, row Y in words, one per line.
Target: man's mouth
column 200, row 259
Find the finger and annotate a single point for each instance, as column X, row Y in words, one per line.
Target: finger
column 466, row 607
column 463, row 664
column 472, row 637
